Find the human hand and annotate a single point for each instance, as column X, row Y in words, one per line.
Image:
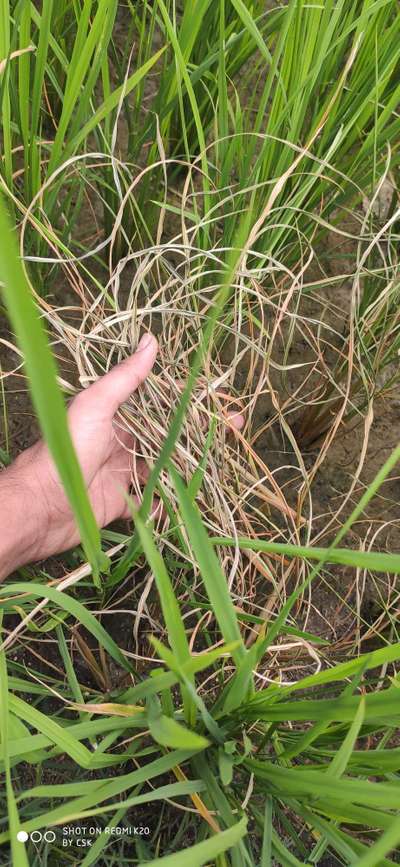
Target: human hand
column 30, row 490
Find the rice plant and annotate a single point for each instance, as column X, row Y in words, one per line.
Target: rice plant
column 286, row 759
column 196, row 169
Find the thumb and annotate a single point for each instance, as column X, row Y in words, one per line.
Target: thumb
column 109, row 392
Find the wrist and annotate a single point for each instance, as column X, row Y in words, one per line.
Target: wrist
column 21, row 519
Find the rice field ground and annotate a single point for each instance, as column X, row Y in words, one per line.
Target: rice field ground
column 214, row 681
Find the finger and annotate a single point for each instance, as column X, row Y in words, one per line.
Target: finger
column 125, row 458
column 109, row 392
column 124, row 437
column 141, row 470
column 127, row 453
column 156, row 507
column 235, row 419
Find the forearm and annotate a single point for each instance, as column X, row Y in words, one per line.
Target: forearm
column 19, row 520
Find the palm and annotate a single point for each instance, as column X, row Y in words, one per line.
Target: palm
column 104, row 452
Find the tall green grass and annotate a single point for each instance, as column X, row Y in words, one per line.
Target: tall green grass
column 220, row 83
column 227, row 72
column 258, row 772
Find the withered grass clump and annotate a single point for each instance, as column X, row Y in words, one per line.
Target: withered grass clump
column 294, row 362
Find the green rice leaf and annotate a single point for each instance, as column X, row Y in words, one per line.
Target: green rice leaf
column 77, row 609
column 202, row 853
column 17, row 847
column 169, row 733
column 109, row 104
column 108, row 789
column 211, row 572
column 46, row 395
column 373, row 560
column 47, row 726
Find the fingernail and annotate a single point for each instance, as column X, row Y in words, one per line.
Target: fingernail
column 145, row 341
